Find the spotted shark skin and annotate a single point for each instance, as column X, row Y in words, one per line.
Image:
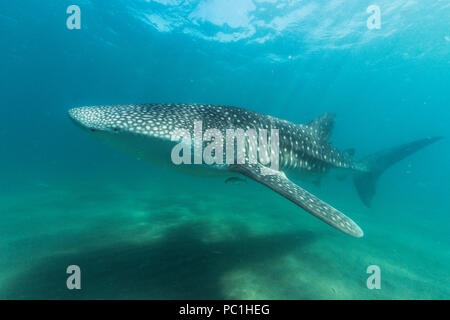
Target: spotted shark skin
column 145, row 131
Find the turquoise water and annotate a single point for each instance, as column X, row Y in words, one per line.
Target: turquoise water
column 137, row 231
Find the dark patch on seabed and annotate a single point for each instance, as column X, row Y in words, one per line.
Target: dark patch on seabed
column 181, row 266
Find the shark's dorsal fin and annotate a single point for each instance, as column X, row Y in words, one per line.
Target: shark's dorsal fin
column 279, row 183
column 323, row 125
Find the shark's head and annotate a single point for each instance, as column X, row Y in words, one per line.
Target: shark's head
column 135, row 130
column 100, row 120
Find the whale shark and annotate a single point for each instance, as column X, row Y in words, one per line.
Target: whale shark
column 146, row 131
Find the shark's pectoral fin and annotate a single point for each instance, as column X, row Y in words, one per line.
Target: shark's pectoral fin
column 278, row 182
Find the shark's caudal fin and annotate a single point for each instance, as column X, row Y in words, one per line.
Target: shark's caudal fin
column 377, row 163
column 278, row 182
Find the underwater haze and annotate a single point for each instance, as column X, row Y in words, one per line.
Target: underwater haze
column 141, row 232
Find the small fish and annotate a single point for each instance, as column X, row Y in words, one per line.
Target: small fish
column 235, row 180
column 41, row 185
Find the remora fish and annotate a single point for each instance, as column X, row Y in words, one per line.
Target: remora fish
column 235, row 180
column 145, row 131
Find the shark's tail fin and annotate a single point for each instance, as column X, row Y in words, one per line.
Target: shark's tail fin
column 374, row 165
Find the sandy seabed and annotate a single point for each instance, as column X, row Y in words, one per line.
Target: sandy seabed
column 177, row 237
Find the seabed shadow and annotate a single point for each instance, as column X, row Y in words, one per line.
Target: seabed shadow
column 179, row 266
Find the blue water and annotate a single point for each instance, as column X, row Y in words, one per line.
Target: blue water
column 141, row 232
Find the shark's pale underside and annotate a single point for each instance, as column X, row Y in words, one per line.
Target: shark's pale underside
column 145, row 131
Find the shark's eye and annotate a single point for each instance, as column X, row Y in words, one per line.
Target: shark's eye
column 93, row 130
column 115, row 129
